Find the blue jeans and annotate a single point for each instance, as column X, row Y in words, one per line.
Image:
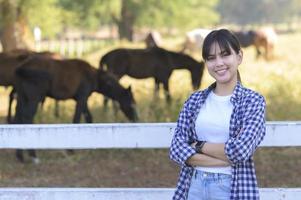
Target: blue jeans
column 209, row 186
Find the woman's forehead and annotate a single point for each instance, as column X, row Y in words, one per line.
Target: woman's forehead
column 216, row 48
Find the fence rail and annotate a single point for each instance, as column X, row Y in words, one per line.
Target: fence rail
column 122, row 193
column 138, row 135
column 103, row 136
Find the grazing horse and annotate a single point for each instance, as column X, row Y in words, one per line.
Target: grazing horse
column 263, row 39
column 194, row 39
column 76, row 79
column 9, row 62
column 153, row 62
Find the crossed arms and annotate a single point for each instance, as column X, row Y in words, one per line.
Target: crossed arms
column 213, row 155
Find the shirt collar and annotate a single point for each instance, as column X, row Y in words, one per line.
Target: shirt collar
column 237, row 93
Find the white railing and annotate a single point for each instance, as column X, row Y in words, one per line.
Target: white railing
column 140, row 135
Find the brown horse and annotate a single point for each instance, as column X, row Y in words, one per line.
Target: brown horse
column 9, row 62
column 76, row 79
column 153, row 62
column 263, row 39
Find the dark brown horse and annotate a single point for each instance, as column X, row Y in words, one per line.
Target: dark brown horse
column 9, row 62
column 153, row 62
column 75, row 79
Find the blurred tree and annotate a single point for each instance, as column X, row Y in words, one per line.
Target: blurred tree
column 131, row 14
column 18, row 17
column 245, row 12
column 7, row 25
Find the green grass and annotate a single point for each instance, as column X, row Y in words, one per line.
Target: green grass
column 278, row 80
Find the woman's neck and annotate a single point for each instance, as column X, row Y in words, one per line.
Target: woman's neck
column 224, row 89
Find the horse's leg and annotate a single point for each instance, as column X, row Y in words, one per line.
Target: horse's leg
column 33, row 156
column 11, row 98
column 25, row 110
column 32, row 110
column 166, row 91
column 80, row 105
column 105, row 101
column 76, row 117
column 19, row 120
column 56, row 109
column 258, row 52
column 19, row 155
column 157, row 88
column 87, row 114
column 115, row 107
column 267, row 50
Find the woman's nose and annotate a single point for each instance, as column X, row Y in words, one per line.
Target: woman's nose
column 218, row 60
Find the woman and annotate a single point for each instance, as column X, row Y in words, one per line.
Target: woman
column 219, row 129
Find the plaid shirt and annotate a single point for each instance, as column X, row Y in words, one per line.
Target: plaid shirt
column 247, row 130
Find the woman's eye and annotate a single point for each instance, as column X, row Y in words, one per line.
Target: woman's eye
column 226, row 54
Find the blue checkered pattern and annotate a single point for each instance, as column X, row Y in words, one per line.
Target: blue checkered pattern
column 247, row 130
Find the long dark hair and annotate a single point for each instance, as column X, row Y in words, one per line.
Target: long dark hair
column 225, row 39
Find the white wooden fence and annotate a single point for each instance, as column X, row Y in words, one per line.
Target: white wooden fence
column 140, row 135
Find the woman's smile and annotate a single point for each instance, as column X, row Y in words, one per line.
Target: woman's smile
column 221, row 71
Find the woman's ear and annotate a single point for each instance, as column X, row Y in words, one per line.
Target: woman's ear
column 240, row 56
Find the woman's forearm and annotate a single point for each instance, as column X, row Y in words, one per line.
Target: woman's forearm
column 215, row 150
column 206, row 161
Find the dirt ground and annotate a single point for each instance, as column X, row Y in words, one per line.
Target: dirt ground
column 276, row 167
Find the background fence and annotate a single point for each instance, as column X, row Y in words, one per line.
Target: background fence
column 102, row 136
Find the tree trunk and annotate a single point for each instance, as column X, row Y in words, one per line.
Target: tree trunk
column 126, row 23
column 12, row 34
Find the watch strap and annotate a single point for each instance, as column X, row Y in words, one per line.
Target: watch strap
column 199, row 145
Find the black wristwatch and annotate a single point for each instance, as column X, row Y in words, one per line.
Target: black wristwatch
column 199, row 145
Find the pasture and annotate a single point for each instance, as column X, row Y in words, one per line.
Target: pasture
column 278, row 80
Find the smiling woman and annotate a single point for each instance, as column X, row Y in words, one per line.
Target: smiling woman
column 219, row 129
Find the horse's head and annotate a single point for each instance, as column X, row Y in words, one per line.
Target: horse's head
column 197, row 74
column 109, row 86
column 128, row 104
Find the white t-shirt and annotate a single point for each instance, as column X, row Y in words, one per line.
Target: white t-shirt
column 212, row 125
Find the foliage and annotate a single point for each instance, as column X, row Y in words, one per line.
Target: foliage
column 153, row 13
column 177, row 13
column 46, row 15
column 88, row 14
column 259, row 11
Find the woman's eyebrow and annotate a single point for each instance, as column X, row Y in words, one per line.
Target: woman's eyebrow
column 224, row 51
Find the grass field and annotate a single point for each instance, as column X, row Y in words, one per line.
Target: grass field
column 278, row 80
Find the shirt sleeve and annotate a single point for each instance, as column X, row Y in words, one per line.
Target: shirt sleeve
column 180, row 149
column 242, row 147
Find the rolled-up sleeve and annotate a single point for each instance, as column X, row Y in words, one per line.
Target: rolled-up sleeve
column 241, row 148
column 180, row 149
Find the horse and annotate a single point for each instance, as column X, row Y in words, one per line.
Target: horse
column 263, row 40
column 9, row 62
column 76, row 79
column 153, row 39
column 153, row 62
column 194, row 39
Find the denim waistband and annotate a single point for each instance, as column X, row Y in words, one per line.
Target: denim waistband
column 209, row 175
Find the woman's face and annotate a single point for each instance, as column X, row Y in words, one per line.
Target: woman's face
column 221, row 65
